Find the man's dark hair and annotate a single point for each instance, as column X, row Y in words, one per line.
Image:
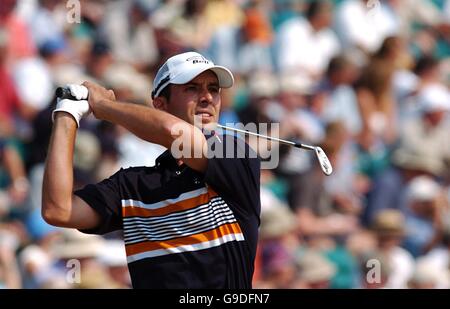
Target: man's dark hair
column 314, row 8
column 165, row 93
column 425, row 64
column 336, row 64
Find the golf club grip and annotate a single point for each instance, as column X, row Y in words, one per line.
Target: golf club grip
column 302, row 146
column 64, row 93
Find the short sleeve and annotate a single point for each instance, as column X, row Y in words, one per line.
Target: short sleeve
column 104, row 197
column 234, row 171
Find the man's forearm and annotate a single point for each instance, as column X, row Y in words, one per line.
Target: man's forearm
column 145, row 122
column 158, row 127
column 58, row 175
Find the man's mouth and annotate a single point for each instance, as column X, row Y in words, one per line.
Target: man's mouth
column 204, row 114
column 204, row 117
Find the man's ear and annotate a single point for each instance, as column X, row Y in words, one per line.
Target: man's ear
column 160, row 103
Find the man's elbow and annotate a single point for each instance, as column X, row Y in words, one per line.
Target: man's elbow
column 53, row 215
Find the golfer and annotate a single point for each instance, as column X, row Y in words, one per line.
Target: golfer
column 191, row 221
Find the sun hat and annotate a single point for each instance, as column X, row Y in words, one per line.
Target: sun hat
column 389, row 222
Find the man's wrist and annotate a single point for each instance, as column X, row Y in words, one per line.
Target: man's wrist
column 103, row 110
column 65, row 118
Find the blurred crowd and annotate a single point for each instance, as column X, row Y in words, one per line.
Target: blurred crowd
column 366, row 80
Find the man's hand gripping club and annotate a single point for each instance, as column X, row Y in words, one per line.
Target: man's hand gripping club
column 77, row 108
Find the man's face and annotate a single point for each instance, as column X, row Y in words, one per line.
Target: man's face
column 199, row 99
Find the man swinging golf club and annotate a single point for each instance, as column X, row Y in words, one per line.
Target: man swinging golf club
column 190, row 221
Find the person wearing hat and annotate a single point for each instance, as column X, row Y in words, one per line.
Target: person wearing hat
column 439, row 258
column 88, row 250
column 316, row 271
column 427, row 135
column 389, row 229
column 422, row 150
column 429, row 276
column 192, row 220
column 427, row 209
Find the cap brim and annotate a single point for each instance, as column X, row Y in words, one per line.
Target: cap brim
column 226, row 79
column 224, row 75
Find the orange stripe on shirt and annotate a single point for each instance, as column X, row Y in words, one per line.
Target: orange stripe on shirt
column 226, row 229
column 130, row 211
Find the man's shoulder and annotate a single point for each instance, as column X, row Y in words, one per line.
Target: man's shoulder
column 133, row 171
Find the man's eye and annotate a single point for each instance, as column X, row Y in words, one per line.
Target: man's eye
column 191, row 88
column 214, row 89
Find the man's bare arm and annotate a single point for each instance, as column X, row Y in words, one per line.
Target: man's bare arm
column 59, row 206
column 150, row 124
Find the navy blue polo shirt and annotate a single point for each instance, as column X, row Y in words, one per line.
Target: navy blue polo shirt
column 182, row 228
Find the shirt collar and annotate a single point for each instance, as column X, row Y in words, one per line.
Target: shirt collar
column 166, row 158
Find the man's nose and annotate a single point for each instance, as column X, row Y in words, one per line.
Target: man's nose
column 205, row 96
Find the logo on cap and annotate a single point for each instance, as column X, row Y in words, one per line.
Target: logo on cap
column 198, row 59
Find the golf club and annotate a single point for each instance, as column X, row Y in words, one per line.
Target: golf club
column 325, row 165
column 64, row 93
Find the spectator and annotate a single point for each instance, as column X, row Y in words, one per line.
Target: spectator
column 36, row 265
column 363, row 24
column 99, row 60
column 22, row 46
column 278, row 246
column 425, row 72
column 439, row 256
column 427, row 209
column 428, row 133
column 307, row 45
column 375, row 96
column 428, row 276
column 340, row 98
column 389, row 188
column 43, row 25
column 87, row 250
column 13, row 180
column 130, row 34
column 316, row 271
column 418, row 11
column 328, row 206
column 262, row 88
column 114, row 257
column 389, row 227
column 9, row 271
column 256, row 35
column 10, row 105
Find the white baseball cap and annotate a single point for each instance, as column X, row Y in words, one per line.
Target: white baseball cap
column 434, row 97
column 423, row 188
column 182, row 68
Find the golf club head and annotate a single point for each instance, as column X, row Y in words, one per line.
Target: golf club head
column 323, row 160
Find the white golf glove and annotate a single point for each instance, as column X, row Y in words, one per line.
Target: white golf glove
column 77, row 108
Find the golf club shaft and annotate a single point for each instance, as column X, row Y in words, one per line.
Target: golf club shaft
column 64, row 93
column 282, row 141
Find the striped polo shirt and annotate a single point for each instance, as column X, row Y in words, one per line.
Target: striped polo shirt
column 184, row 229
